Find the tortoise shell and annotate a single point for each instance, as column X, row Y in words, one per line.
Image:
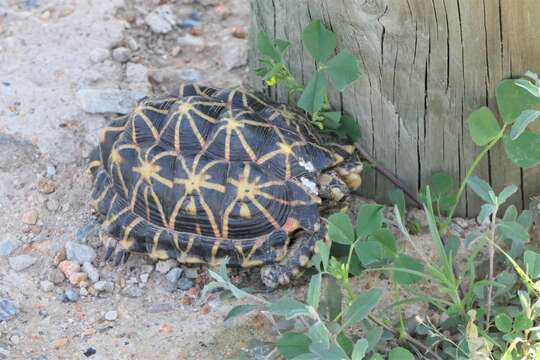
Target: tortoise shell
column 207, row 174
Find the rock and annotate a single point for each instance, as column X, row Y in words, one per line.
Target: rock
column 191, row 273
column 96, row 101
column 104, row 286
column 161, row 20
column 133, row 291
column 163, row 267
column 173, row 275
column 32, row 3
column 83, row 291
column 30, row 217
column 51, row 170
column 46, row 285
column 190, row 41
column 239, row 32
column 69, row 267
column 59, row 343
column 8, row 246
column 223, row 11
column 185, row 284
column 4, row 353
column 21, row 262
column 40, row 357
column 91, row 271
column 70, row 296
column 77, row 278
column 15, row 339
column 89, row 352
column 99, row 55
column 55, row 276
column 234, row 54
column 121, row 54
column 147, row 268
column 52, row 204
column 160, row 308
column 144, row 278
column 189, row 75
column 90, row 229
column 132, row 44
column 46, row 186
column 111, row 315
column 79, row 252
column 136, row 73
column 8, row 309
column 189, row 24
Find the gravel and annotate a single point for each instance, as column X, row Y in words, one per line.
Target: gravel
column 99, row 55
column 173, row 275
column 188, row 75
column 163, row 267
column 185, row 284
column 91, row 271
column 21, row 262
column 121, row 54
column 111, row 315
column 70, row 295
column 56, row 276
column 8, row 246
column 104, row 286
column 161, row 20
column 136, row 73
column 79, row 252
column 96, row 101
column 46, row 285
column 234, row 54
column 133, row 291
column 90, row 229
column 191, row 273
column 8, row 309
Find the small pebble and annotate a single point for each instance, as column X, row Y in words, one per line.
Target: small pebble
column 8, row 246
column 189, row 24
column 8, row 309
column 133, row 291
column 147, row 268
column 46, row 186
column 4, row 353
column 223, row 11
column 144, row 278
column 132, row 44
column 30, row 217
column 188, row 75
column 32, row 3
column 15, row 339
column 40, row 357
column 173, row 275
column 104, row 286
column 69, row 267
column 91, row 271
column 111, row 315
column 21, row 262
column 239, row 32
column 195, row 15
column 185, row 284
column 55, row 276
column 89, row 352
column 99, row 55
column 51, row 170
column 164, row 266
column 79, row 252
column 59, row 343
column 77, row 278
column 90, row 229
column 121, row 54
column 161, row 19
column 52, row 204
column 46, row 285
column 83, row 291
column 191, row 273
column 97, row 101
column 70, row 296
column 136, row 73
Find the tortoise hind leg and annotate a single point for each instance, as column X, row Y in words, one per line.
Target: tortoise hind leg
column 297, row 258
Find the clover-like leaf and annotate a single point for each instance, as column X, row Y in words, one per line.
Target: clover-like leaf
column 239, row 310
column 503, row 323
column 289, row 308
column 525, row 150
column 340, row 229
column 362, row 306
column 532, row 263
column 413, row 270
column 312, row 98
column 480, row 188
column 313, row 295
column 319, row 41
column 292, row 344
column 343, row 69
column 266, row 47
column 483, row 126
column 369, row 219
column 513, row 99
column 522, row 121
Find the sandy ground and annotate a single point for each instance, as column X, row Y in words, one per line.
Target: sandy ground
column 51, row 54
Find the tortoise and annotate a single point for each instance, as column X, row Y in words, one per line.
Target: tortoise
column 210, row 174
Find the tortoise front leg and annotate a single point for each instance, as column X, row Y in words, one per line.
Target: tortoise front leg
column 297, row 258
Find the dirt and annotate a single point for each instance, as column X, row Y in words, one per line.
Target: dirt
column 47, row 55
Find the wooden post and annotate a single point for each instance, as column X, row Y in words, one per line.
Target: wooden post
column 427, row 64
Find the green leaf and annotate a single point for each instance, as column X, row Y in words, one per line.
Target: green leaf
column 483, row 126
column 319, row 41
column 529, row 86
column 369, row 219
column 376, row 357
column 319, row 334
column 512, row 100
column 532, row 263
column 345, row 343
column 291, row 344
column 525, row 150
column 332, row 120
column 343, row 69
column 397, row 197
column 312, row 98
column 314, row 291
column 525, row 219
column 510, row 214
column 266, row 47
column 369, row 252
column 324, row 251
column 332, row 297
column 289, row 308
column 485, row 211
column 373, row 336
column 522, row 323
column 282, row 46
column 441, row 183
column 480, row 187
column 506, row 193
column 360, row 349
column 239, row 310
column 399, row 353
column 340, row 229
column 349, row 129
column 512, row 230
column 503, row 323
column 408, row 263
column 523, row 120
column 387, row 240
column 361, row 306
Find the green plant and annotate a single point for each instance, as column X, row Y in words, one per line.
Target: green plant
column 341, row 69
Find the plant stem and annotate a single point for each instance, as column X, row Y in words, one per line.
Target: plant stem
column 491, row 249
column 473, row 166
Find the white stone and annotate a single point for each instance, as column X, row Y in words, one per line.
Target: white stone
column 99, row 55
column 96, row 101
column 111, row 315
column 46, row 285
column 161, row 20
column 21, row 262
column 136, row 73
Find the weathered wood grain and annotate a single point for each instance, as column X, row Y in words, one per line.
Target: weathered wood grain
column 427, row 65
